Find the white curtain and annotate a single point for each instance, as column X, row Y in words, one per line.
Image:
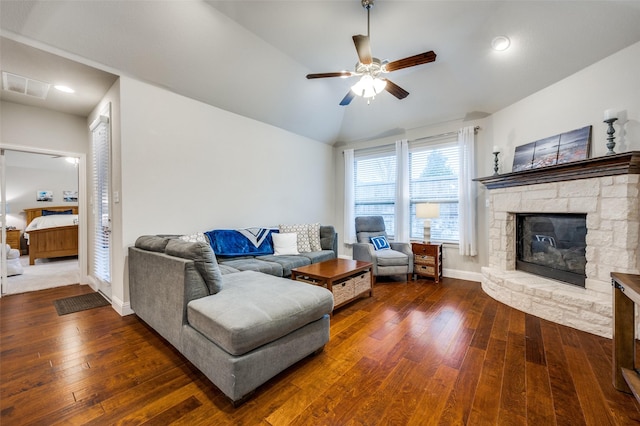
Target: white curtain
column 402, row 219
column 349, row 198
column 467, row 188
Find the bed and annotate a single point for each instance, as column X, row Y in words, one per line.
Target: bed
column 51, row 235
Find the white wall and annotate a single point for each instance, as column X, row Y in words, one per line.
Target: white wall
column 188, row 166
column 577, row 101
column 42, row 129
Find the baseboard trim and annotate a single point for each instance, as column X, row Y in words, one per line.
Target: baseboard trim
column 462, row 275
column 122, row 308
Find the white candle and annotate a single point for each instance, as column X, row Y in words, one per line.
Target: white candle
column 609, row 114
column 496, row 148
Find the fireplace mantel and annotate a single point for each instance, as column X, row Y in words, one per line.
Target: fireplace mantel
column 609, row 165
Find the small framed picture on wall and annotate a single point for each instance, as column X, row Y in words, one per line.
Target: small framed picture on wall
column 44, row 195
column 70, row 196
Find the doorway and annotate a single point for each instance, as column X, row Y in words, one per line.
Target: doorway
column 38, row 178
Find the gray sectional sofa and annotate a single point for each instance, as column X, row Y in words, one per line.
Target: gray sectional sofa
column 239, row 327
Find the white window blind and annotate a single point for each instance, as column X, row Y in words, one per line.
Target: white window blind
column 101, row 190
column 434, row 179
column 375, row 185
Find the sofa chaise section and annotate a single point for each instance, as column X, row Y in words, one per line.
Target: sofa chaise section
column 241, row 328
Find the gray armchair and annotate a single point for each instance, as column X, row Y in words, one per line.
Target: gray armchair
column 398, row 260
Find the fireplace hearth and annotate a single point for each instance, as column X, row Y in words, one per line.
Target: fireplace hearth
column 603, row 191
column 552, row 246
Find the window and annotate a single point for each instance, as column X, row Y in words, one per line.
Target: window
column 375, row 186
column 433, row 177
column 434, row 173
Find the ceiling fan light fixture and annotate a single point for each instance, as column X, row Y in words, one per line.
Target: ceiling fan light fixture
column 368, row 87
column 500, row 43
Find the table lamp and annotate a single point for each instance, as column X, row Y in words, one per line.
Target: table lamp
column 427, row 211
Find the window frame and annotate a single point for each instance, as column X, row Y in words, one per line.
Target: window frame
column 366, row 205
column 451, row 145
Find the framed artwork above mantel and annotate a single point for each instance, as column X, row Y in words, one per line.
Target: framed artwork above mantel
column 559, row 149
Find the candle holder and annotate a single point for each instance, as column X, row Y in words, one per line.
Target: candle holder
column 610, row 139
column 495, row 163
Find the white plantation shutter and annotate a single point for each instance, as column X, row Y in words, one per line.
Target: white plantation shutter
column 101, row 189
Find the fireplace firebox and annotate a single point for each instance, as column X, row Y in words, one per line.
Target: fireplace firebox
column 552, row 246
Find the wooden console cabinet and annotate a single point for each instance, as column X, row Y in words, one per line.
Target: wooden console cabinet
column 427, row 260
column 626, row 294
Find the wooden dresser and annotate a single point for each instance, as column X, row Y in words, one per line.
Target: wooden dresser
column 427, row 260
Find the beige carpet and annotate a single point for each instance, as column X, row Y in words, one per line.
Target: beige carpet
column 46, row 273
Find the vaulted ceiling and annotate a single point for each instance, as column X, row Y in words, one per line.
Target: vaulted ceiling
column 251, row 57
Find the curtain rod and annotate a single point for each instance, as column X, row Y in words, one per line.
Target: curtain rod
column 442, row 135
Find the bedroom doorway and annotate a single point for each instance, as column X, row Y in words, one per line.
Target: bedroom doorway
column 37, row 178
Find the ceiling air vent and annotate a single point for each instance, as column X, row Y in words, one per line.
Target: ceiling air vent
column 24, row 86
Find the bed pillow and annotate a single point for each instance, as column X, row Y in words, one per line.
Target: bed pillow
column 380, row 243
column 285, row 243
column 52, row 212
column 302, row 230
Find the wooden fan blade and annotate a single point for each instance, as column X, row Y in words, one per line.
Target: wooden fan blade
column 363, row 48
column 330, row 74
column 348, row 98
column 396, row 90
column 411, row 61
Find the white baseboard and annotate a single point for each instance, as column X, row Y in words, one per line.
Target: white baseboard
column 121, row 307
column 462, row 275
column 450, row 273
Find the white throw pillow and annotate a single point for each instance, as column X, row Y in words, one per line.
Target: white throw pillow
column 285, row 243
column 304, row 246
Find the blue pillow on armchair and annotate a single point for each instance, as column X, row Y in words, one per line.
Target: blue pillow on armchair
column 380, row 243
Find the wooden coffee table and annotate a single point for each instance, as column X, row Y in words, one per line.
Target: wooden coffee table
column 346, row 279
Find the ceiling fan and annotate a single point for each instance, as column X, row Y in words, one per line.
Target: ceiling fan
column 369, row 69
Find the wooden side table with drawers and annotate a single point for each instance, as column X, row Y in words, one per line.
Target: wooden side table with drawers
column 13, row 238
column 427, row 260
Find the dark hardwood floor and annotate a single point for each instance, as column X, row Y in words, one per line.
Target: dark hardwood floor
column 414, row 354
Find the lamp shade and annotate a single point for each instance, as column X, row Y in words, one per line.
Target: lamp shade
column 427, row 210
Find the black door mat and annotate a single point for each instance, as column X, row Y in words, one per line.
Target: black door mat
column 83, row 302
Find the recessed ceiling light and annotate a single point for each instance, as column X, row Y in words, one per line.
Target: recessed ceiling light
column 65, row 89
column 500, row 43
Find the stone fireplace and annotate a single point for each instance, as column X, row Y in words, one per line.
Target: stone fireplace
column 606, row 191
